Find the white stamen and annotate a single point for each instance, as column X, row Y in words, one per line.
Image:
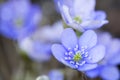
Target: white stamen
column 69, row 49
column 75, row 49
column 83, row 62
column 72, row 62
column 76, row 46
column 70, row 52
column 77, row 63
column 76, row 66
column 66, row 53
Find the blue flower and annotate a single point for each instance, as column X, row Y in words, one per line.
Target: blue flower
column 82, row 54
column 51, row 33
column 18, row 18
column 81, row 14
column 37, row 50
column 107, row 68
column 56, row 75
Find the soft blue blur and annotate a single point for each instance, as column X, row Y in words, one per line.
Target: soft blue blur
column 107, row 68
column 19, row 18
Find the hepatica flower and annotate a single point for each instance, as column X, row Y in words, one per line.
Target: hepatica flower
column 52, row 75
column 81, row 54
column 35, row 49
column 51, row 33
column 81, row 14
column 56, row 75
column 107, row 68
column 19, row 18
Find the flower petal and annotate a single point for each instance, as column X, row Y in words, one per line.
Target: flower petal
column 98, row 20
column 86, row 67
column 99, row 15
column 65, row 12
column 97, row 53
column 113, row 48
column 93, row 73
column 93, row 24
column 110, row 73
column 83, row 7
column 115, row 60
column 58, row 52
column 89, row 39
column 69, row 38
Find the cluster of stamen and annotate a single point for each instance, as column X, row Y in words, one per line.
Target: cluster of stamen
column 18, row 23
column 77, row 20
column 77, row 56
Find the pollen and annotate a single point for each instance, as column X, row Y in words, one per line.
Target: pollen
column 77, row 57
column 18, row 23
column 78, row 19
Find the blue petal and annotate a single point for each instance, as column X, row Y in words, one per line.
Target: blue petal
column 69, row 38
column 83, row 7
column 89, row 39
column 115, row 60
column 93, row 73
column 97, row 21
column 56, row 75
column 104, row 38
column 97, row 53
column 93, row 24
column 113, row 48
column 58, row 52
column 110, row 73
column 64, row 9
column 100, row 15
column 86, row 67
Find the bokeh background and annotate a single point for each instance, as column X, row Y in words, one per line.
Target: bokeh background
column 14, row 66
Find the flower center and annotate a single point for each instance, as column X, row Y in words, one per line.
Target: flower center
column 77, row 57
column 18, row 23
column 78, row 19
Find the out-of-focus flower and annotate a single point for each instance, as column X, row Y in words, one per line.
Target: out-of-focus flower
column 19, row 18
column 51, row 33
column 35, row 49
column 52, row 75
column 80, row 14
column 38, row 45
column 56, row 75
column 43, row 77
column 82, row 54
column 107, row 68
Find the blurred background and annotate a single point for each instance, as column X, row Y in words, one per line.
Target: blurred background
column 16, row 66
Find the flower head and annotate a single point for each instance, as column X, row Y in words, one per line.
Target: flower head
column 35, row 49
column 56, row 75
column 82, row 54
column 81, row 14
column 107, row 69
column 18, row 18
column 51, row 33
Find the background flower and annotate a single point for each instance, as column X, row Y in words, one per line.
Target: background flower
column 50, row 33
column 18, row 22
column 81, row 14
column 56, row 75
column 107, row 68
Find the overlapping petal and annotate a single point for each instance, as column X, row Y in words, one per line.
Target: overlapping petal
column 86, row 67
column 97, row 53
column 93, row 73
column 88, row 38
column 69, row 38
column 110, row 73
column 58, row 52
